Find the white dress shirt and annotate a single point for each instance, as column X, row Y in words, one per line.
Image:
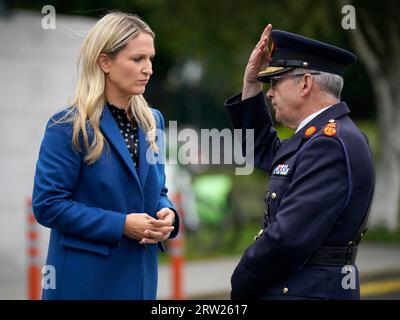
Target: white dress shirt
column 309, row 118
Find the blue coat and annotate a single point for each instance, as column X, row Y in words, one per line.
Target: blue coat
column 319, row 191
column 86, row 205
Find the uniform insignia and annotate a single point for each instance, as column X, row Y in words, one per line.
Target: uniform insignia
column 310, row 131
column 272, row 49
column 330, row 129
column 281, row 170
column 259, row 234
column 269, row 70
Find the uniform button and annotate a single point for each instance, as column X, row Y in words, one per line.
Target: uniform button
column 273, row 195
column 259, row 234
column 285, row 290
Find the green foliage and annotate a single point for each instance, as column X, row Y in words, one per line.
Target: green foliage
column 220, row 35
column 371, row 131
column 284, row 132
column 246, row 237
column 383, row 16
column 382, row 235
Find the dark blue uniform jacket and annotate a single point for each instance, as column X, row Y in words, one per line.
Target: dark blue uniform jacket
column 319, row 192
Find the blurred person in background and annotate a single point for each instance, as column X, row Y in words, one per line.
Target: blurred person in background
column 94, row 186
column 321, row 179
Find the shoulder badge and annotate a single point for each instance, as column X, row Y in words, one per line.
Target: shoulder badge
column 330, row 129
column 310, row 131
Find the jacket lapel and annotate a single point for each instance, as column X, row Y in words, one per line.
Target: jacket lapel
column 146, row 156
column 114, row 137
column 291, row 145
column 288, row 147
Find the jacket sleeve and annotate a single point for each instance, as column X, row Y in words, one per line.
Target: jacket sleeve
column 306, row 214
column 164, row 201
column 253, row 114
column 56, row 178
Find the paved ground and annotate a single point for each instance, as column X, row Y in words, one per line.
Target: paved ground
column 210, row 279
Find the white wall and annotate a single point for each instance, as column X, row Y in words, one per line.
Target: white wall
column 38, row 77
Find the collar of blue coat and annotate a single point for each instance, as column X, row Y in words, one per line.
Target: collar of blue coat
column 114, row 137
column 293, row 144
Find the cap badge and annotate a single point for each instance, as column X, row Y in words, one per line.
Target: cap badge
column 269, row 70
column 273, row 46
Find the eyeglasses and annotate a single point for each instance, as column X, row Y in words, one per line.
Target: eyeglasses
column 274, row 80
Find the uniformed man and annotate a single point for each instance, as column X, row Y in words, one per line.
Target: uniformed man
column 321, row 179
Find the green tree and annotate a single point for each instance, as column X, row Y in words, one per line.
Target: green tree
column 377, row 41
column 218, row 36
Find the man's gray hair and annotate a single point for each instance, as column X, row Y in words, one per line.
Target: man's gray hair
column 328, row 82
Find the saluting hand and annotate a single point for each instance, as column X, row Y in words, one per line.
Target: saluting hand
column 258, row 61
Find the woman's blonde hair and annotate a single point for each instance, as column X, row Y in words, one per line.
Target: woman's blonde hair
column 109, row 35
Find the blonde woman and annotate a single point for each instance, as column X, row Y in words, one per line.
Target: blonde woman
column 106, row 204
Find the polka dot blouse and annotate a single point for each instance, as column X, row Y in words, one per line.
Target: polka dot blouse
column 129, row 131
